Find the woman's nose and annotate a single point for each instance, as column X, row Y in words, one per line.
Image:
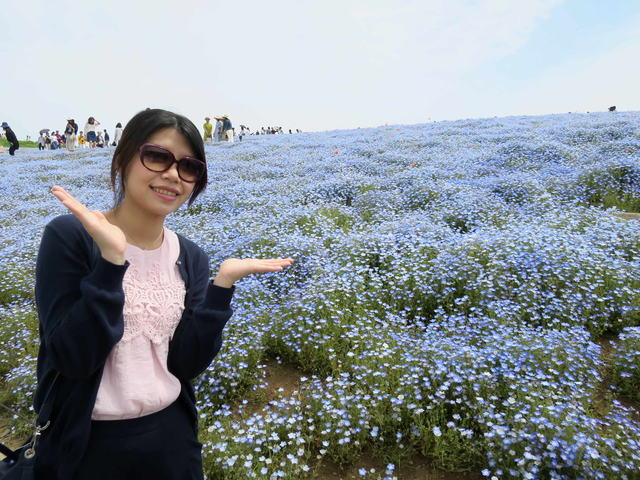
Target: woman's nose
column 172, row 173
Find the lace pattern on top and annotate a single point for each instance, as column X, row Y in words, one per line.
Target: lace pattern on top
column 152, row 308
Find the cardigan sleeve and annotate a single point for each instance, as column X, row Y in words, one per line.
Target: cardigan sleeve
column 79, row 304
column 198, row 338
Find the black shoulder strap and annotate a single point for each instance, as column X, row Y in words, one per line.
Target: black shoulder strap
column 47, row 404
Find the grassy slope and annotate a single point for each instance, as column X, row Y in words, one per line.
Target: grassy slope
column 5, row 143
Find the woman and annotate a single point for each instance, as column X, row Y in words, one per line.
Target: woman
column 129, row 316
column 70, row 134
column 118, row 135
column 218, row 130
column 208, row 135
column 90, row 131
column 11, row 138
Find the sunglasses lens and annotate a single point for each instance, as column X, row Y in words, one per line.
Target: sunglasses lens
column 156, row 159
column 190, row 169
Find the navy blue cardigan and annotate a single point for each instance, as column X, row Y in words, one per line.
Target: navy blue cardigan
column 80, row 300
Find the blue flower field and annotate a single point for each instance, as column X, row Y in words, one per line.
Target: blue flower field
column 466, row 291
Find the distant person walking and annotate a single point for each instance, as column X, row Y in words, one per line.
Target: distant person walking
column 90, row 131
column 208, row 130
column 11, row 138
column 106, row 138
column 41, row 142
column 70, row 134
column 244, row 131
column 227, row 128
column 82, row 141
column 217, row 133
column 118, row 135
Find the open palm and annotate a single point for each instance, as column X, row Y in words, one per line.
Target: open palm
column 234, row 269
column 110, row 239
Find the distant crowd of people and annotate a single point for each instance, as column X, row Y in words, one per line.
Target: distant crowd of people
column 71, row 137
column 223, row 130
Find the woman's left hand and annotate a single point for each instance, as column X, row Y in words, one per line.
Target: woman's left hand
column 235, row 269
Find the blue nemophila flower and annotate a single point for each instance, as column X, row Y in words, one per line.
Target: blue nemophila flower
column 450, row 280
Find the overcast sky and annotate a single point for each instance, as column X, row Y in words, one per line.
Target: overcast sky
column 314, row 65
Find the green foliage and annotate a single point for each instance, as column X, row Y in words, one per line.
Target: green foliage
column 28, row 144
column 626, row 364
column 616, row 186
column 16, row 286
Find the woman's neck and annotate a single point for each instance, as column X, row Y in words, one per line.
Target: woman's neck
column 141, row 228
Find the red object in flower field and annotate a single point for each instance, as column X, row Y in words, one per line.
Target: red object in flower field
column 398, row 129
column 412, row 165
column 336, row 151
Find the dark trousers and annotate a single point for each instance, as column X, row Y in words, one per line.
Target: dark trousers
column 40, row 147
column 13, row 148
column 160, row 446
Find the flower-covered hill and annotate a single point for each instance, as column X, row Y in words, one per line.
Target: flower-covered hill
column 453, row 285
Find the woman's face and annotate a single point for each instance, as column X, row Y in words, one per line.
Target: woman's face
column 159, row 193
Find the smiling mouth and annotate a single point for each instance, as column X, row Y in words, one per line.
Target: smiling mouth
column 164, row 192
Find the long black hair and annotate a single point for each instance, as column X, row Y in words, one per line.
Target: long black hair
column 138, row 130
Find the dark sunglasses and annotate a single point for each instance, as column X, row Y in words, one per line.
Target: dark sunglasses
column 159, row 159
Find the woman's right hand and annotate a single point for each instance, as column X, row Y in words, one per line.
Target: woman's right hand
column 110, row 239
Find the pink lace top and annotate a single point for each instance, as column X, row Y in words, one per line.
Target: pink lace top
column 136, row 380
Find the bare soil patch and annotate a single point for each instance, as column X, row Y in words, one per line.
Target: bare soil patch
column 416, row 468
column 284, row 380
column 604, row 396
